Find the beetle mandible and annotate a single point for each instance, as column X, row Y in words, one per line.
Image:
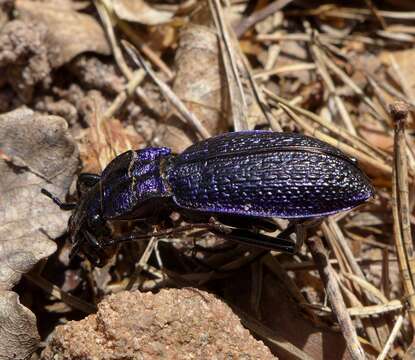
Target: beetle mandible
column 255, row 174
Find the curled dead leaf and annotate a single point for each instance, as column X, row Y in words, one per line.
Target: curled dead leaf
column 139, row 11
column 200, row 84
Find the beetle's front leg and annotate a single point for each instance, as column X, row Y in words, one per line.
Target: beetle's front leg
column 96, row 254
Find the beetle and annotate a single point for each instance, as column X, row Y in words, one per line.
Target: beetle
column 247, row 175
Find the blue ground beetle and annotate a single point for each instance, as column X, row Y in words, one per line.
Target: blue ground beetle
column 249, row 175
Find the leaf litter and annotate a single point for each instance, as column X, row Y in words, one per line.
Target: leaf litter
column 203, row 68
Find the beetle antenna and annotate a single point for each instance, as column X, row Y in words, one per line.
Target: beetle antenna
column 57, row 201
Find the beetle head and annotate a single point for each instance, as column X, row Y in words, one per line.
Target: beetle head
column 88, row 230
column 86, row 227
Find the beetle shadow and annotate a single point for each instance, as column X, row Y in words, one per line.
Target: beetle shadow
column 282, row 315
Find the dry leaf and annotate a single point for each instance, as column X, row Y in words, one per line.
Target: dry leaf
column 287, row 322
column 70, row 33
column 36, row 151
column 100, row 144
column 200, row 84
column 139, row 11
column 18, row 333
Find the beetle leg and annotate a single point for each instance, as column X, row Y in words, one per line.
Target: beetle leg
column 248, row 223
column 93, row 241
column 259, row 240
column 95, row 257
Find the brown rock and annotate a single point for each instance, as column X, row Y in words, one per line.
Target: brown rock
column 173, row 324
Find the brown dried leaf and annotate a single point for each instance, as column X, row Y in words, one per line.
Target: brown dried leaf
column 18, row 333
column 70, row 33
column 101, row 143
column 36, row 152
column 200, row 84
column 139, row 11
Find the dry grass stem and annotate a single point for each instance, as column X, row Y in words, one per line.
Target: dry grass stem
column 238, row 103
column 331, row 285
column 258, row 16
column 322, row 69
column 59, row 294
column 362, row 311
column 360, row 156
column 393, row 335
column 355, row 140
column 122, row 97
column 400, row 209
column 170, row 95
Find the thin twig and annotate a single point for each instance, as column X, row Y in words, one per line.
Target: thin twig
column 322, row 68
column 122, row 97
column 355, row 140
column 394, row 333
column 362, row 311
column 363, row 158
column 59, row 294
column 168, row 93
column 102, row 8
column 331, row 285
column 238, row 103
column 258, row 16
column 400, row 208
column 141, row 263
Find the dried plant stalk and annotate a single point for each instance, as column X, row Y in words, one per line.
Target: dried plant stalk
column 349, row 150
column 400, row 209
column 328, row 276
column 357, row 141
column 394, row 333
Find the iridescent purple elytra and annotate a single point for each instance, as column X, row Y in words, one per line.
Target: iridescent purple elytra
column 250, row 173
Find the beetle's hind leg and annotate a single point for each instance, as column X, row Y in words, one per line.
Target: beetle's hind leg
column 246, row 237
column 281, row 242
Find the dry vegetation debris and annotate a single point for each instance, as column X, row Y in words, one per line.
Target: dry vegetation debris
column 192, row 69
